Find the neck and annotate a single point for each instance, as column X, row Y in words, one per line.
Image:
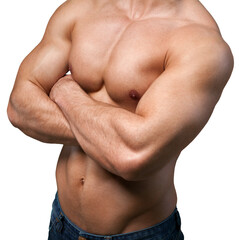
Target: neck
column 140, row 8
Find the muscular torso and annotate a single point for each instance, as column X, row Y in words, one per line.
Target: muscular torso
column 115, row 57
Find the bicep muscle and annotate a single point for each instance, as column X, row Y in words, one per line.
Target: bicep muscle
column 49, row 60
column 179, row 103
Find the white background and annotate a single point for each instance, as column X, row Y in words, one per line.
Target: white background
column 207, row 178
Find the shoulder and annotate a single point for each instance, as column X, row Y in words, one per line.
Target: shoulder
column 70, row 9
column 197, row 39
column 66, row 15
column 200, row 48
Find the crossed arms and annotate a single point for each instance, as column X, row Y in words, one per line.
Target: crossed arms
column 51, row 107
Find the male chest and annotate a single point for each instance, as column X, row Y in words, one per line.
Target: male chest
column 119, row 54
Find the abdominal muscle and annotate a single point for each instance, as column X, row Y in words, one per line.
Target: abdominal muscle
column 102, row 203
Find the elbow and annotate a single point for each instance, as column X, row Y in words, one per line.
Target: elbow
column 12, row 115
column 132, row 167
column 12, row 112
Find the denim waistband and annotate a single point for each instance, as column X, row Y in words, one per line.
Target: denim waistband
column 62, row 223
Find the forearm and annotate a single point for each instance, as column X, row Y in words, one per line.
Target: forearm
column 109, row 135
column 34, row 113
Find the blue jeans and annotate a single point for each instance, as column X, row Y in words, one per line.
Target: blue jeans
column 61, row 228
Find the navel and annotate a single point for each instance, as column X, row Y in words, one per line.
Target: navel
column 82, row 181
column 134, row 95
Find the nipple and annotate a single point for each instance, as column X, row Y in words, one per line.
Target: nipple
column 134, row 95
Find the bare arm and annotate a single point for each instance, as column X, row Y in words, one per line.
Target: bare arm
column 168, row 117
column 30, row 108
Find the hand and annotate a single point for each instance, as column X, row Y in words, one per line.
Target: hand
column 61, row 87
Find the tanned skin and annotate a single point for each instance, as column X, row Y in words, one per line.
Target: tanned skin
column 145, row 78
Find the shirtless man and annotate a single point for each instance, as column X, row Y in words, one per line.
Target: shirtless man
column 145, row 78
